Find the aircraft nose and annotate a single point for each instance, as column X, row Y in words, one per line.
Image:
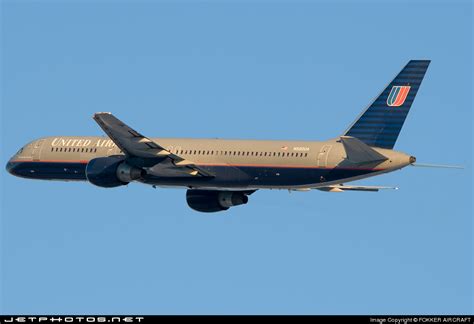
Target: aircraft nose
column 10, row 167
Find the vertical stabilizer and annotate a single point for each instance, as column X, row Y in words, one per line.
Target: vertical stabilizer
column 380, row 124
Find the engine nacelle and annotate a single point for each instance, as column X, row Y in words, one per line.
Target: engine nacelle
column 127, row 173
column 111, row 171
column 229, row 199
column 209, row 201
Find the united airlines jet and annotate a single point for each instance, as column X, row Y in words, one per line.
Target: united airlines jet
column 219, row 174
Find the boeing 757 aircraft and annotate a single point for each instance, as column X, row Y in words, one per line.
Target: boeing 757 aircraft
column 219, row 174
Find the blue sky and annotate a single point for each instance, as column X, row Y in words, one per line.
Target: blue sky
column 253, row 70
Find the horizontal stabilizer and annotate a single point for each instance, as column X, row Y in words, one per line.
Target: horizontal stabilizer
column 342, row 188
column 359, row 152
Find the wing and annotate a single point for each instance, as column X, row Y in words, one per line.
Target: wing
column 142, row 152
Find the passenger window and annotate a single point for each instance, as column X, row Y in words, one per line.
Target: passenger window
column 306, row 154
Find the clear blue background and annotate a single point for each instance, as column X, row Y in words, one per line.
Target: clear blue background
column 262, row 70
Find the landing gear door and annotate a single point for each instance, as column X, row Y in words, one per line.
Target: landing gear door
column 36, row 150
column 323, row 156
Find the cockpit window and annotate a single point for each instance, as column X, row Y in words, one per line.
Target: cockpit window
column 19, row 151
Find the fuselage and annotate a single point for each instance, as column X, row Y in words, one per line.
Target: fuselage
column 236, row 164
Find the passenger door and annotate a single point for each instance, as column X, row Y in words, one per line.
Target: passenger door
column 36, row 150
column 323, row 156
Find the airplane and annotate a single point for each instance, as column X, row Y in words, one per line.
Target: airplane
column 220, row 174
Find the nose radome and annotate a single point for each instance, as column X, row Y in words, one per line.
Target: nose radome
column 9, row 167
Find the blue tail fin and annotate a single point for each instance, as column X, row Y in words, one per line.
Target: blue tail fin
column 380, row 124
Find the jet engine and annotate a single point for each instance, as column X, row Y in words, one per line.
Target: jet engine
column 111, row 171
column 209, row 201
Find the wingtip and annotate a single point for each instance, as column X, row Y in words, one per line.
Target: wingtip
column 101, row 113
